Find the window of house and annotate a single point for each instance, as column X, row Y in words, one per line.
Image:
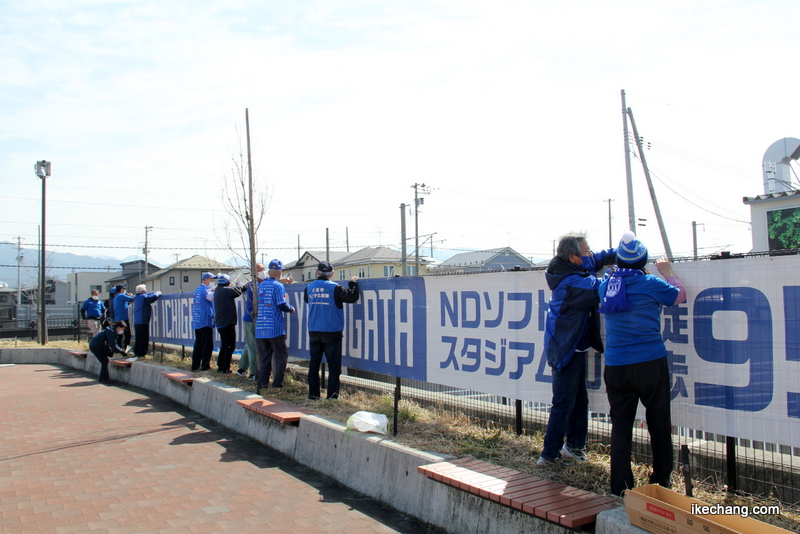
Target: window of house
column 341, row 274
column 185, row 278
column 362, row 272
column 3, row 298
column 99, row 289
column 412, row 270
column 388, row 271
column 172, row 280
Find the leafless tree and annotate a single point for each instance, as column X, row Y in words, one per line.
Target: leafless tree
column 237, row 225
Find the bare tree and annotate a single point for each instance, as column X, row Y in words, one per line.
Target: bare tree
column 238, row 226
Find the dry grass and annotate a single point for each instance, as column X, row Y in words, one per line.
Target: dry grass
column 455, row 434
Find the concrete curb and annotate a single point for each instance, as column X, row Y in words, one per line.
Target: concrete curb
column 368, row 463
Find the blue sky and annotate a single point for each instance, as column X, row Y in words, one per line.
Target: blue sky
column 509, row 110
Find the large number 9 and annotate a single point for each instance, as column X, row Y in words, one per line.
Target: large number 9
column 756, row 348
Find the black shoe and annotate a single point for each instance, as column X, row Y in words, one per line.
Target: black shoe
column 312, row 397
column 108, row 382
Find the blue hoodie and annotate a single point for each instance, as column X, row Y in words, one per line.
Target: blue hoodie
column 573, row 322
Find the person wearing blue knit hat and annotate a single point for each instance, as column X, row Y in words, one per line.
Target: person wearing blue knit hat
column 203, row 323
column 636, row 367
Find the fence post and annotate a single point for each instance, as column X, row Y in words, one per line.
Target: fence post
column 396, row 404
column 730, row 457
column 183, row 352
column 686, row 469
column 518, row 421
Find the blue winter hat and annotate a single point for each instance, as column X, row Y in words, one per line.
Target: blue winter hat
column 325, row 267
column 223, row 279
column 276, row 265
column 631, row 252
column 206, row 276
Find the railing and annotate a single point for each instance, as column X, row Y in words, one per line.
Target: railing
column 57, row 327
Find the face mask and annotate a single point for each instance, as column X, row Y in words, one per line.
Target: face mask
column 94, row 297
column 262, row 275
column 587, row 262
column 120, row 331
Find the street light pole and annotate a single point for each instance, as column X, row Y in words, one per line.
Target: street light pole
column 418, row 188
column 42, row 169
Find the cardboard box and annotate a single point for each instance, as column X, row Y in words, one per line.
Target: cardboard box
column 664, row 511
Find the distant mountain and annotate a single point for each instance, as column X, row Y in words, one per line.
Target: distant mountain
column 59, row 264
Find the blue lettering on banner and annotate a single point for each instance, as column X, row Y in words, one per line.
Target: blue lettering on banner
column 791, row 314
column 384, row 332
column 674, row 325
column 756, row 349
column 496, row 356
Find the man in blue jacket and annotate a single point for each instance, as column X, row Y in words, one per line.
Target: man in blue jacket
column 92, row 312
column 572, row 326
column 121, row 303
column 142, row 311
column 203, row 323
column 326, row 301
column 271, row 327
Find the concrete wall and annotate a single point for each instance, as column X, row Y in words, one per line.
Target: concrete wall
column 373, row 465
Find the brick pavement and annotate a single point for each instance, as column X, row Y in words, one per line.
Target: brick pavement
column 77, row 456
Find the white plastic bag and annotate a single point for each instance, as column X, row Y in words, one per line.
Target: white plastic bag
column 368, row 422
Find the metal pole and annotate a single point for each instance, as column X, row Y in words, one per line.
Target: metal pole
column 694, row 239
column 403, row 238
column 629, row 177
column 730, row 457
column 396, row 405
column 661, row 227
column 518, row 418
column 610, row 200
column 146, row 250
column 43, row 281
column 416, row 228
column 327, row 245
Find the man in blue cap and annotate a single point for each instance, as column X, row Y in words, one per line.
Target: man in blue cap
column 271, row 327
column 203, row 323
column 121, row 303
column 326, row 301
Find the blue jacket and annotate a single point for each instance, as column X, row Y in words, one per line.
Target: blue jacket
column 121, row 303
column 92, row 308
column 247, row 316
column 325, row 300
column 105, row 342
column 142, row 309
column 202, row 308
column 225, row 304
column 272, row 304
column 573, row 322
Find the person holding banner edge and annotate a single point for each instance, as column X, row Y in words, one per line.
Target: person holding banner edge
column 572, row 326
column 326, row 301
column 636, row 367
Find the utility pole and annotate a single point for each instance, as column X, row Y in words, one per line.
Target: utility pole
column 425, row 190
column 327, row 245
column 629, row 177
column 610, row 200
column 694, row 237
column 403, row 239
column 19, row 278
column 661, row 227
column 251, row 228
column 146, row 251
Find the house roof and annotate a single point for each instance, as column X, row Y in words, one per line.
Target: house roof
column 360, row 257
column 479, row 258
column 315, row 256
column 195, row 263
column 771, row 196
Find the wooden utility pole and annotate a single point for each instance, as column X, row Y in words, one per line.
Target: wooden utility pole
column 629, row 177
column 661, row 226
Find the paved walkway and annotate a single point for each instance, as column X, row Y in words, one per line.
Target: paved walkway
column 77, row 456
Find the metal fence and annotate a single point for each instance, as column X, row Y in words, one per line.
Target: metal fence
column 737, row 464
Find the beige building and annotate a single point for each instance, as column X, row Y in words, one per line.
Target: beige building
column 184, row 276
column 369, row 262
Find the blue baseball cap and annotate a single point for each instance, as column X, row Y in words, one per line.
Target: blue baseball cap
column 207, row 276
column 276, row 265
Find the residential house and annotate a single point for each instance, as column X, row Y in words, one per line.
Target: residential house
column 496, row 259
column 133, row 273
column 81, row 284
column 184, row 275
column 8, row 302
column 369, row 262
